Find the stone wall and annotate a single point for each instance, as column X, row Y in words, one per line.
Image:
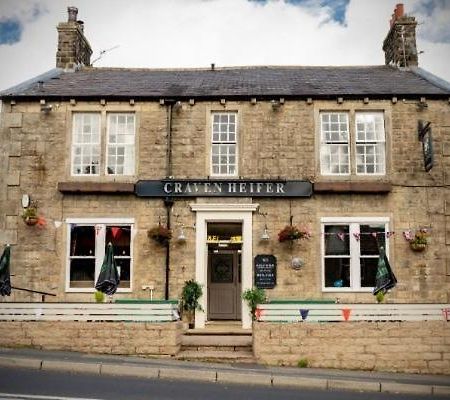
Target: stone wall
column 414, row 347
column 35, row 156
column 132, row 338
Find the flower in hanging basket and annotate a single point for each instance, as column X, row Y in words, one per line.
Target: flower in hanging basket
column 160, row 234
column 292, row 232
column 30, row 215
column 418, row 240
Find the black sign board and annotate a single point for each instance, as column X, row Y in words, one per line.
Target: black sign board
column 222, row 188
column 265, row 271
column 427, row 144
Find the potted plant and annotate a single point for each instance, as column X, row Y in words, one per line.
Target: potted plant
column 190, row 295
column 292, row 232
column 160, row 234
column 30, row 215
column 418, row 240
column 253, row 297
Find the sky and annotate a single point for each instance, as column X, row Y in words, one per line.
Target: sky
column 196, row 33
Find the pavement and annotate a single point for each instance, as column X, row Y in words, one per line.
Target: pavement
column 248, row 374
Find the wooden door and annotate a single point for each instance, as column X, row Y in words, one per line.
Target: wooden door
column 224, row 285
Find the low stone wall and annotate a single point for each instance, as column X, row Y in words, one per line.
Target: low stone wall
column 414, row 347
column 134, row 338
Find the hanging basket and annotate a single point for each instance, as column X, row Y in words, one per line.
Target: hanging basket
column 417, row 246
column 31, row 220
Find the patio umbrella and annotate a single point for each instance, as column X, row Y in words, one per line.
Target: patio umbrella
column 385, row 278
column 5, row 280
column 108, row 279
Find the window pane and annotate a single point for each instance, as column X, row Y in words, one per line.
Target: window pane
column 120, row 237
column 371, row 237
column 123, row 267
column 368, row 271
column 82, row 240
column 82, row 273
column 121, row 141
column 337, row 272
column 337, row 240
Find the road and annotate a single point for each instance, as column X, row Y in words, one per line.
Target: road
column 25, row 384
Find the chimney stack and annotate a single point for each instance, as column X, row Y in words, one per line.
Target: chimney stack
column 73, row 47
column 400, row 47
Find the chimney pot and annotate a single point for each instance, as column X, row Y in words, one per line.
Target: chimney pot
column 73, row 12
column 399, row 11
column 213, row 66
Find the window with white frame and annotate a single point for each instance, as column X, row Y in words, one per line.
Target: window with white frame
column 87, row 245
column 224, row 144
column 345, row 151
column 334, row 149
column 87, row 144
column 350, row 250
column 370, row 143
column 120, row 144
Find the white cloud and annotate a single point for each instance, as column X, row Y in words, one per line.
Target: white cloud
column 195, row 33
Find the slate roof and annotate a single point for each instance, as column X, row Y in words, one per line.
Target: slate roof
column 237, row 82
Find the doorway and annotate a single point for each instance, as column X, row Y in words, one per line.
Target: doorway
column 224, row 271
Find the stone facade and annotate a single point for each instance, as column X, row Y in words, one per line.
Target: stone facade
column 139, row 338
column 414, row 347
column 35, row 157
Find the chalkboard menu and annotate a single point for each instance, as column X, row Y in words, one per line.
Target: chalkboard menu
column 265, row 271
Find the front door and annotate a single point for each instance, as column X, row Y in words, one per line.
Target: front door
column 224, row 285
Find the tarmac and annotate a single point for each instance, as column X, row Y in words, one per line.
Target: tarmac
column 248, row 374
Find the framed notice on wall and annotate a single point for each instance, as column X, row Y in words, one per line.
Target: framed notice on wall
column 265, row 271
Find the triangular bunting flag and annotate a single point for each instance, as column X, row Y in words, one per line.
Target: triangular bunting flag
column 346, row 313
column 304, row 313
column 446, row 313
column 115, row 232
column 258, row 313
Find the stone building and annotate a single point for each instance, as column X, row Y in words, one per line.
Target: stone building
column 226, row 158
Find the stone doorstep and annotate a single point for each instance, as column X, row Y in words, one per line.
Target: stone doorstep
column 216, row 340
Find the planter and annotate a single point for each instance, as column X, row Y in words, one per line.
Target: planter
column 418, row 246
column 31, row 221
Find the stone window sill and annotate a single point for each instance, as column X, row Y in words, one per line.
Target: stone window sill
column 95, row 187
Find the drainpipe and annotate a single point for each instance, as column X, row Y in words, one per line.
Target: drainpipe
column 168, row 202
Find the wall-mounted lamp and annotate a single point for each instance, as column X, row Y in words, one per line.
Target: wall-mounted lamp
column 177, row 106
column 45, row 108
column 265, row 235
column 181, row 236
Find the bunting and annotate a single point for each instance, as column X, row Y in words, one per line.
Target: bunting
column 304, row 313
column 346, row 313
column 258, row 313
column 446, row 313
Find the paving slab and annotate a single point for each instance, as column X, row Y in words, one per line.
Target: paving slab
column 244, row 378
column 334, row 384
column 129, row 370
column 300, row 382
column 20, row 362
column 53, row 365
column 187, row 374
column 394, row 387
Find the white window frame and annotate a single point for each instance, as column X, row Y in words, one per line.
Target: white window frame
column 355, row 271
column 75, row 144
column 380, row 143
column 99, row 248
column 235, row 143
column 109, row 115
column 327, row 143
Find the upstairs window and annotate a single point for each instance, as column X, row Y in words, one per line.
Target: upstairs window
column 86, row 144
column 370, row 143
column 348, row 148
column 335, row 146
column 224, row 144
column 88, row 134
